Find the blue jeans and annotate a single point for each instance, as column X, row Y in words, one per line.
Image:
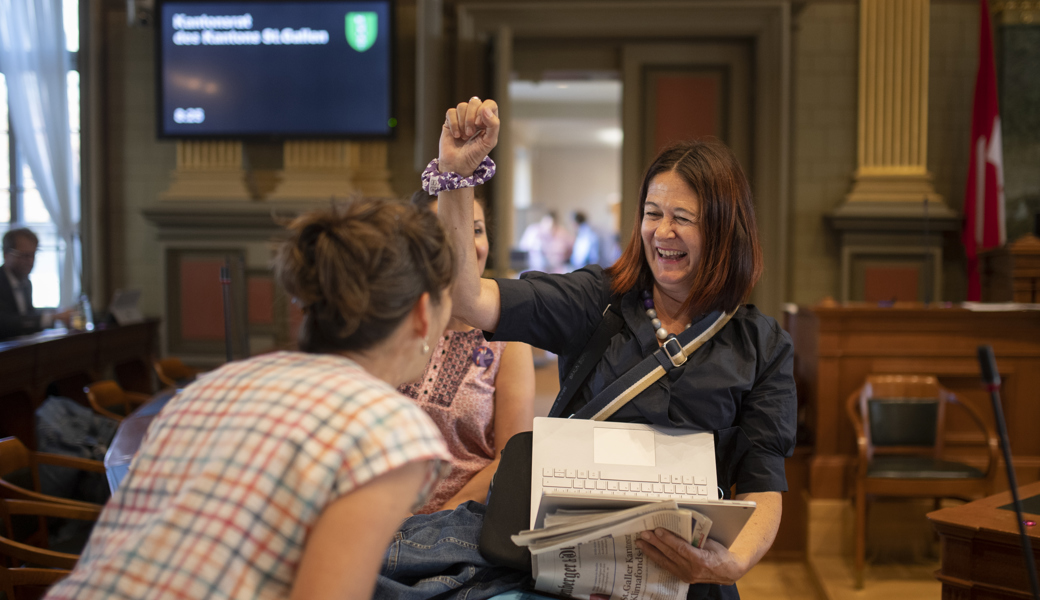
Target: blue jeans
column 435, row 556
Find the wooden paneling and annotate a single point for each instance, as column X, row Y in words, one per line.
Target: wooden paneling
column 836, row 348
column 792, row 539
column 260, row 299
column 1012, row 273
column 687, row 106
column 28, row 365
column 981, row 548
column 883, row 283
column 195, row 301
column 201, row 303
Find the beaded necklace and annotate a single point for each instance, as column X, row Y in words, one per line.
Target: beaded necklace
column 661, row 332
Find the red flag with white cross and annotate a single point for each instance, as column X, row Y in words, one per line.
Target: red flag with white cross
column 984, row 197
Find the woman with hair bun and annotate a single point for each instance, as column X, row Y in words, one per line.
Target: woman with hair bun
column 249, row 481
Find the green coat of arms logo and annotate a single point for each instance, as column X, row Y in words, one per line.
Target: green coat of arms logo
column 362, row 28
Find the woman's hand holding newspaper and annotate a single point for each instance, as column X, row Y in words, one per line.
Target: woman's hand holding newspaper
column 711, row 564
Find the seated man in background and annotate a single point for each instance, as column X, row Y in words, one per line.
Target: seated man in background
column 18, row 316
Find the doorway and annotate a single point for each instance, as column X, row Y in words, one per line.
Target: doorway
column 762, row 29
column 567, row 137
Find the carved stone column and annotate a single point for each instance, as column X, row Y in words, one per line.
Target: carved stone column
column 892, row 219
column 892, row 140
column 321, row 169
column 208, row 170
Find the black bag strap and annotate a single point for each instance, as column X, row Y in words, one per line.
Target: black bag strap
column 672, row 354
column 593, row 351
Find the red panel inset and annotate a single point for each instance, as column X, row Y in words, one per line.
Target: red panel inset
column 688, row 107
column 202, row 308
column 891, row 283
column 261, row 300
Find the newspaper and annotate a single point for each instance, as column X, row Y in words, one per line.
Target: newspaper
column 592, row 555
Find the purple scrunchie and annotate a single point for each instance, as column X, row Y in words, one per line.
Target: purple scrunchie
column 435, row 182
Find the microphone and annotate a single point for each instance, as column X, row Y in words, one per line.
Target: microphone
column 988, row 364
column 991, row 377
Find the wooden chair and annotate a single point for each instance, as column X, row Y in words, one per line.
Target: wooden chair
column 21, row 576
column 19, row 463
column 900, row 423
column 28, row 583
column 18, row 553
column 110, row 400
column 174, row 373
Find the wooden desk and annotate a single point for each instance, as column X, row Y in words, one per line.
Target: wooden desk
column 28, row 365
column 836, row 348
column 981, row 548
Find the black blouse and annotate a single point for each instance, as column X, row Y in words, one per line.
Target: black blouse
column 740, row 384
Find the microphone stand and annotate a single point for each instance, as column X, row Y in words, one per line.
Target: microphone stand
column 242, row 325
column 991, row 377
column 225, row 284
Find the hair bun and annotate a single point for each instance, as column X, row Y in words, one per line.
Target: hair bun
column 358, row 269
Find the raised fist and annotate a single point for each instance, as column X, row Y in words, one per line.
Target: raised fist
column 469, row 133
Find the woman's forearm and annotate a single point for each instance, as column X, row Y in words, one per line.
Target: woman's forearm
column 475, row 301
column 330, row 568
column 455, row 209
column 469, row 134
column 759, row 532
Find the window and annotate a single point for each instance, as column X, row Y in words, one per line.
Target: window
column 5, row 156
column 20, row 201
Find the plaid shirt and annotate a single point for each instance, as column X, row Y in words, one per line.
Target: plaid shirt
column 236, row 470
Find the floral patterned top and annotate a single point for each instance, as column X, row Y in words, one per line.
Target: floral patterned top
column 457, row 391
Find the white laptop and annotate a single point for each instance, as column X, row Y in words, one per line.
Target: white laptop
column 123, row 307
column 582, row 464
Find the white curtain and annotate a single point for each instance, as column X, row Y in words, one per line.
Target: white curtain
column 34, row 59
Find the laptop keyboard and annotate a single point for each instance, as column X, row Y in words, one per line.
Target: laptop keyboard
column 607, row 483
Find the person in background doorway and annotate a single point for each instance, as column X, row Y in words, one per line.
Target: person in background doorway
column 18, row 316
column 548, row 245
column 586, row 242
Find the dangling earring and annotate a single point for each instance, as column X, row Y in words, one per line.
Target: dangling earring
column 425, row 346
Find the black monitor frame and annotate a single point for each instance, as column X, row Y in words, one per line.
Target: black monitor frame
column 271, row 137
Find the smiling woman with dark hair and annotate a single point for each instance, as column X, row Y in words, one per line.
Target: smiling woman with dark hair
column 709, row 194
column 693, row 255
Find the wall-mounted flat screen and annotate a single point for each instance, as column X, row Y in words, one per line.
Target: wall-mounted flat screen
column 312, row 68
